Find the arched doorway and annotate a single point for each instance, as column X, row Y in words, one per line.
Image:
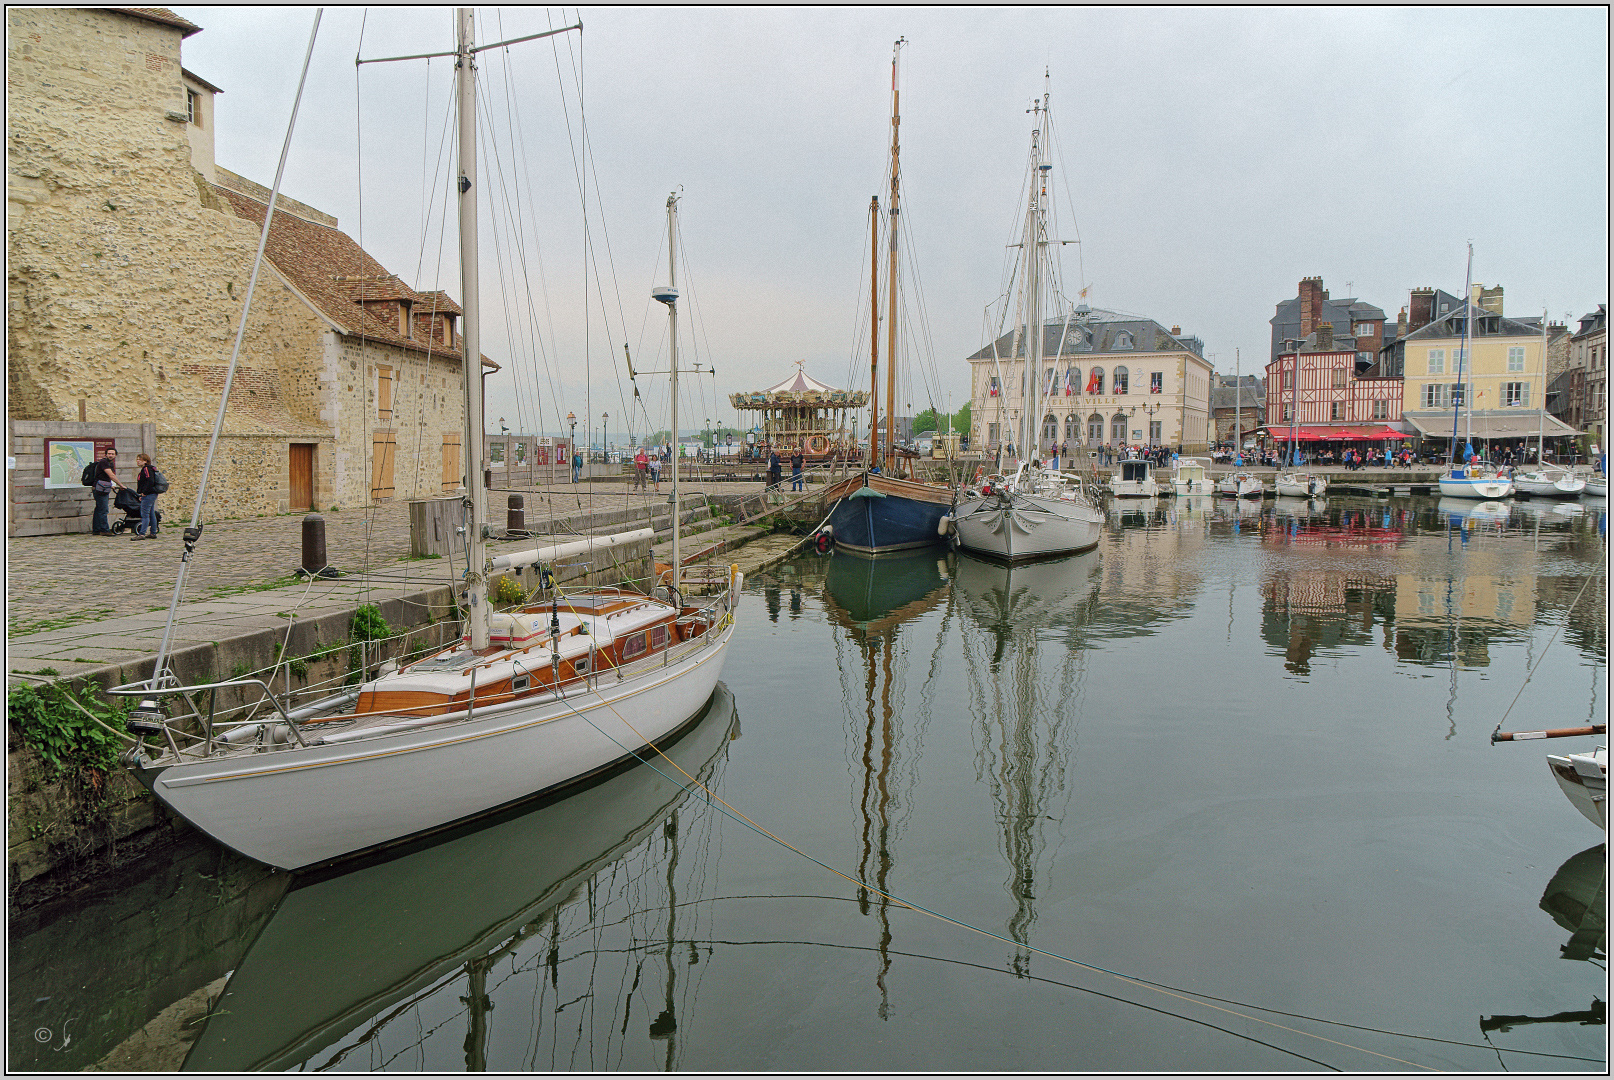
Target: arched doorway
column 1095, row 429
column 1050, row 431
column 1073, row 429
column 1118, row 428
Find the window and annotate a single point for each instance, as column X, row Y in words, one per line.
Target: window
column 1095, row 429
column 992, row 434
column 1455, row 394
column 1336, row 410
column 1515, row 358
column 1364, row 329
column 658, row 636
column 1118, row 385
column 1288, row 381
column 1339, row 378
column 190, row 107
column 1435, row 396
column 1437, row 361
column 1073, row 429
column 1048, row 383
column 1050, row 429
column 1381, row 410
column 632, row 647
column 1095, row 381
column 1123, row 340
column 1157, row 382
column 1459, row 360
column 520, row 682
column 1516, row 394
column 992, row 387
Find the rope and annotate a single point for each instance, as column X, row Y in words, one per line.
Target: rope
column 1529, row 674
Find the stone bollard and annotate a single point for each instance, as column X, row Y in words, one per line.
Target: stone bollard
column 516, row 516
column 314, row 560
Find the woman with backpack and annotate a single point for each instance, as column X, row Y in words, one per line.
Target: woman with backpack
column 149, row 483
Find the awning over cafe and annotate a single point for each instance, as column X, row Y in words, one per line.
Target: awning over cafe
column 1337, row 432
column 1489, row 424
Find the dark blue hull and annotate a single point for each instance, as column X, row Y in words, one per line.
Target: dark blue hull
column 871, row 521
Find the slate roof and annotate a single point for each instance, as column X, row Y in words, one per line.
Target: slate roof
column 332, row 272
column 1442, row 326
column 1342, row 314
column 1095, row 332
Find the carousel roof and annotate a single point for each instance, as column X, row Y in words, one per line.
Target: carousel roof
column 801, row 382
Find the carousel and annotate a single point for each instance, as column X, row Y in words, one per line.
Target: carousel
column 803, row 412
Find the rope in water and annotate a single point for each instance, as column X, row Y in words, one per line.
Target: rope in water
column 733, row 813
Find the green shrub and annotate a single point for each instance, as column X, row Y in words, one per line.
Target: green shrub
column 66, row 739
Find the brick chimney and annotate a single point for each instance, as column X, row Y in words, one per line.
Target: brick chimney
column 1325, row 337
column 1491, row 299
column 1401, row 325
column 1176, row 331
column 1311, row 304
column 1422, row 309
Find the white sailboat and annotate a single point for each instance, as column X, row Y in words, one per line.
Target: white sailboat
column 1542, row 481
column 1301, row 485
column 528, row 702
column 1471, row 479
column 1036, row 512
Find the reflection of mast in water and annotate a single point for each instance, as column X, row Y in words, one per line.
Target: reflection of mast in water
column 870, row 599
column 1024, row 745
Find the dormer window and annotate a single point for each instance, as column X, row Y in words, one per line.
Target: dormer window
column 1123, row 340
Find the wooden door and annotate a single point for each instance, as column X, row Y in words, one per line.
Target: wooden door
column 383, row 452
column 302, row 477
column 451, row 461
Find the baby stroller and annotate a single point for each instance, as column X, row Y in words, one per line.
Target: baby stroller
column 129, row 503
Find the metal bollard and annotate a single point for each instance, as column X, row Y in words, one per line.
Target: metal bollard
column 516, row 516
column 314, row 560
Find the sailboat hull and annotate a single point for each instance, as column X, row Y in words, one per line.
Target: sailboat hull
column 1013, row 527
column 876, row 514
column 1547, row 486
column 307, row 805
column 1475, row 487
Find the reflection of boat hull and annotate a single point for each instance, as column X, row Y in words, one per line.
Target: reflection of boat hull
column 1299, row 506
column 307, row 805
column 1490, row 512
column 1026, row 598
column 1577, row 900
column 875, row 513
column 341, row 950
column 865, row 591
column 1584, row 778
column 1011, row 526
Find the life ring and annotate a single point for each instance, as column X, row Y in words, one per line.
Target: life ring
column 823, row 542
column 817, row 444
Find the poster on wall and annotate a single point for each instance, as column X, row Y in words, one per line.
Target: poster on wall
column 65, row 459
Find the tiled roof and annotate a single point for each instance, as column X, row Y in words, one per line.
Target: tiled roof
column 1095, row 332
column 161, row 15
column 332, row 271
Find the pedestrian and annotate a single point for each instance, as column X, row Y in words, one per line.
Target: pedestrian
column 655, row 469
column 146, row 487
column 577, row 464
column 796, row 481
column 106, row 479
column 773, row 468
column 641, row 469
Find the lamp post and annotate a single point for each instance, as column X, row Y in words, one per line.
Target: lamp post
column 571, row 418
column 605, row 437
column 1151, row 409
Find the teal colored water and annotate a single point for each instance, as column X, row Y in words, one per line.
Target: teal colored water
column 1235, row 763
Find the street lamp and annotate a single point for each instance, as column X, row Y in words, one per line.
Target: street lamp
column 605, row 436
column 571, row 418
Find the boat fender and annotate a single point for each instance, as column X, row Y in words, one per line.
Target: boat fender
column 823, row 541
column 944, row 525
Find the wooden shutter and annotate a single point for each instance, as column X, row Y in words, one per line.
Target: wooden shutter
column 383, row 455
column 451, row 461
column 383, row 393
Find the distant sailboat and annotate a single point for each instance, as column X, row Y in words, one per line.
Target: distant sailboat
column 1467, row 477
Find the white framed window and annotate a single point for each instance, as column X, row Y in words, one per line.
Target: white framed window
column 190, row 106
column 1339, row 378
column 1381, row 410
column 1454, row 394
column 1157, row 382
column 1435, row 396
column 1437, row 362
column 1364, row 329
column 1515, row 357
column 1123, row 340
column 1288, row 413
column 1118, row 386
column 1516, row 394
column 1336, row 410
column 1459, row 360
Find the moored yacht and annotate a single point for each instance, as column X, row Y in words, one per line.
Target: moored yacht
column 1188, row 478
column 1135, row 480
column 1241, row 485
column 1549, row 484
column 1301, row 485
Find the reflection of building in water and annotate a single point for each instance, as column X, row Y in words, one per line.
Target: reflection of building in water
column 1025, row 676
column 872, row 601
column 1304, row 610
column 1148, row 564
column 1439, row 617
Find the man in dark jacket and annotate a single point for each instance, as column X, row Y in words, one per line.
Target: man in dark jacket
column 795, row 470
column 106, row 481
column 773, row 468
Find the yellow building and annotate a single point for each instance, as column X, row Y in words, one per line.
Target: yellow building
column 1497, row 383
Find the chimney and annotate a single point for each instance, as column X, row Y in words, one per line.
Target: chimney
column 1311, row 304
column 1491, row 299
column 1423, row 303
column 1176, row 331
column 1325, row 337
column 1401, row 325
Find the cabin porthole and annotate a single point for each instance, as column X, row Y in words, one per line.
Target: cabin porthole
column 520, row 682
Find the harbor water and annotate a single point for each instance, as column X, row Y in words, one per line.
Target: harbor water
column 1219, row 795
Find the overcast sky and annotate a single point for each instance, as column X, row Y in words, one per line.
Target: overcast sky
column 1213, row 157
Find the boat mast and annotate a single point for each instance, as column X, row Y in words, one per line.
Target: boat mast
column 891, row 279
column 1457, row 405
column 476, row 612
column 1035, row 243
column 1238, row 396
column 874, row 331
column 1294, row 409
column 672, row 336
column 1541, row 406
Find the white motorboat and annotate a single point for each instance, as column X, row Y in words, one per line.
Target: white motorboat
column 1188, row 478
column 1033, row 515
column 526, row 702
column 1476, row 480
column 1548, row 484
column 1135, row 481
column 1241, row 485
column 1035, row 512
column 1584, row 778
column 1597, row 486
column 1301, row 485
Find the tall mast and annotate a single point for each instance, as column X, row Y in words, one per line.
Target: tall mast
column 1294, row 409
column 1468, row 278
column 874, row 332
column 891, row 278
column 1035, row 241
column 476, row 614
column 1541, row 406
column 671, row 300
column 1238, row 398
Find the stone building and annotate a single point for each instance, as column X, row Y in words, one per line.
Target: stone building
column 1110, row 379
column 1238, row 404
column 127, row 268
column 1583, row 387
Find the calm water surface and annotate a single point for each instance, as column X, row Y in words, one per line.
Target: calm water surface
column 1235, row 763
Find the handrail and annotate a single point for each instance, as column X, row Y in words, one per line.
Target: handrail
column 145, row 690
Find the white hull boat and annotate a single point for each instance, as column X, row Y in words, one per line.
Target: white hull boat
column 1584, row 778
column 1597, row 486
column 1135, row 481
column 1036, row 515
column 1475, row 482
column 1546, row 484
column 1241, row 486
column 1189, row 478
column 1299, row 485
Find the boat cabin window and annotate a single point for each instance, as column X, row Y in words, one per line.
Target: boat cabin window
column 520, row 682
column 658, row 636
column 1134, row 470
column 632, row 647
column 580, row 665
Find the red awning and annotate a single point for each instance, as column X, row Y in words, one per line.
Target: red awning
column 1337, row 432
